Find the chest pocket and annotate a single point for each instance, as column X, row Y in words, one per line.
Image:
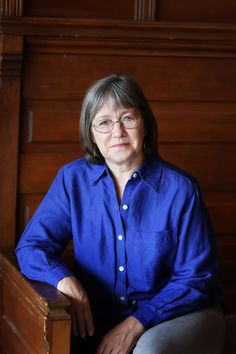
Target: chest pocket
column 152, row 254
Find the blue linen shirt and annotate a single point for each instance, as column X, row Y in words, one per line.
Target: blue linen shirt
column 151, row 256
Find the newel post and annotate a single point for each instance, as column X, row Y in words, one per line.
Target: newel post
column 11, row 50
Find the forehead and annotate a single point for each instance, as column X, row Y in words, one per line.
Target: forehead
column 111, row 106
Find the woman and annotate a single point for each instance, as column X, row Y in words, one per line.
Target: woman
column 145, row 260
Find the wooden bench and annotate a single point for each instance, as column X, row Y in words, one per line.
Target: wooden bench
column 34, row 317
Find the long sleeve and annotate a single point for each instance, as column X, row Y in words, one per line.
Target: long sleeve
column 155, row 249
column 191, row 282
column 46, row 236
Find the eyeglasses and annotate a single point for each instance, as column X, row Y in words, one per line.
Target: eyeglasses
column 106, row 125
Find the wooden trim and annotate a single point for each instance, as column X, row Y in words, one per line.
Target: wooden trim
column 11, row 8
column 45, row 298
column 131, row 38
column 131, row 47
column 11, row 54
column 86, row 28
column 42, row 303
column 145, row 10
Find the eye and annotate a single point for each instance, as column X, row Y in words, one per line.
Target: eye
column 128, row 118
column 105, row 122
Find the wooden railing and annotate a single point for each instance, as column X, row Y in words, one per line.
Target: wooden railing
column 34, row 317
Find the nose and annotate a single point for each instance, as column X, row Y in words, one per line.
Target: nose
column 118, row 129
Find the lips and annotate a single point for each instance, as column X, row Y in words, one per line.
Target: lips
column 120, row 145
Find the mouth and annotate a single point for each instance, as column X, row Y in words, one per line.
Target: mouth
column 120, row 146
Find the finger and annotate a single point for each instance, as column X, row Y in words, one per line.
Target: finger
column 81, row 324
column 89, row 321
column 73, row 323
column 101, row 349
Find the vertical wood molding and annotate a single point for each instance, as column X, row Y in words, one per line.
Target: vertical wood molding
column 11, row 8
column 145, row 10
column 30, row 127
column 11, row 56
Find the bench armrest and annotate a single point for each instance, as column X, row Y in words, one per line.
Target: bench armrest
column 34, row 317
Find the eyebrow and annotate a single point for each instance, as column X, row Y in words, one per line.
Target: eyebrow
column 102, row 117
column 107, row 116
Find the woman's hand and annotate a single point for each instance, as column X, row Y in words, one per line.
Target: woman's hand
column 82, row 319
column 122, row 338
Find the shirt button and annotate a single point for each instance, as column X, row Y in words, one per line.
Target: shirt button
column 135, row 175
column 125, row 207
column 121, row 268
column 122, row 298
column 120, row 237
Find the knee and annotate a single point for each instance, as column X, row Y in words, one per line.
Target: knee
column 147, row 346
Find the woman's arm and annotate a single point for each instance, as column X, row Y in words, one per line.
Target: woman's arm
column 191, row 285
column 46, row 236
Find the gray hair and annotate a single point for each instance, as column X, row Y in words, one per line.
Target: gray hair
column 125, row 92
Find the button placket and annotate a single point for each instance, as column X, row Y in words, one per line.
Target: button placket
column 121, row 290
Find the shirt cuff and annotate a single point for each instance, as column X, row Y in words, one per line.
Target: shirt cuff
column 55, row 274
column 147, row 317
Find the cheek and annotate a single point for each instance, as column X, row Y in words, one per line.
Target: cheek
column 140, row 136
column 100, row 141
column 95, row 137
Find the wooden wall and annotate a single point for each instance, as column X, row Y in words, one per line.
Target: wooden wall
column 184, row 58
column 159, row 10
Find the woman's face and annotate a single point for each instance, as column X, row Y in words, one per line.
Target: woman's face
column 123, row 147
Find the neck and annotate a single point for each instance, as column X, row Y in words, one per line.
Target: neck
column 121, row 174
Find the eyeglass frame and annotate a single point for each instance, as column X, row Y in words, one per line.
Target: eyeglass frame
column 120, row 122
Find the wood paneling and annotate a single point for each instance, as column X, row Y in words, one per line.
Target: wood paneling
column 27, row 205
column 38, row 170
column 11, row 8
column 187, row 71
column 227, row 248
column 222, row 208
column 196, row 122
column 145, row 10
column 10, row 55
column 191, row 85
column 48, row 121
column 212, row 165
column 79, row 36
column 160, row 10
column 192, row 10
column 112, row 9
column 165, row 78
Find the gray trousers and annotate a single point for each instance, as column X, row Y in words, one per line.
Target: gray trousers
column 200, row 332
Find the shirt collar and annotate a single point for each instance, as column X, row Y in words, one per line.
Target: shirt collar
column 150, row 171
column 97, row 171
